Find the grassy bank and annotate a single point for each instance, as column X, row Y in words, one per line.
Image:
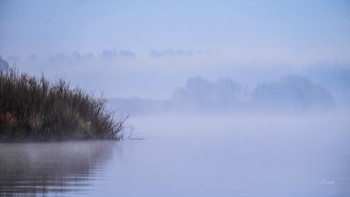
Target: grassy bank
column 36, row 109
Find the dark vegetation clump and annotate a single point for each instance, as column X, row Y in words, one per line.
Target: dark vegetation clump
column 35, row 109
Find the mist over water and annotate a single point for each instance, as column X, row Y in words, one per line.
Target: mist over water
column 56, row 168
column 252, row 155
column 317, row 90
column 282, row 136
column 187, row 155
column 227, row 98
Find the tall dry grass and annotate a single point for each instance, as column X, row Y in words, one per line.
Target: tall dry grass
column 35, row 109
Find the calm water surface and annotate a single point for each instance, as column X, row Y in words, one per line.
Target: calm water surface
column 190, row 156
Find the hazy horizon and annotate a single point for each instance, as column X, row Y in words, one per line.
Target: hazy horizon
column 128, row 48
column 226, row 98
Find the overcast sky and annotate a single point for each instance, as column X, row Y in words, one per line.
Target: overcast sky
column 148, row 48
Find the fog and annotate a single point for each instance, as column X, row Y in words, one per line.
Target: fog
column 50, row 168
column 310, row 91
column 149, row 49
column 283, row 133
column 253, row 154
column 186, row 155
column 225, row 98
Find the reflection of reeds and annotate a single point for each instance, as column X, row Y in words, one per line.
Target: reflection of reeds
column 32, row 169
column 33, row 108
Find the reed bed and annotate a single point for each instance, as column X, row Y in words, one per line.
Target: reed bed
column 33, row 108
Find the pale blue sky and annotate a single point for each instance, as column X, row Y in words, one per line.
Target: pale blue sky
column 90, row 26
column 289, row 33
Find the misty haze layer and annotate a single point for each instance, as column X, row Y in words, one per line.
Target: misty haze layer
column 229, row 98
column 148, row 49
column 191, row 156
column 293, row 93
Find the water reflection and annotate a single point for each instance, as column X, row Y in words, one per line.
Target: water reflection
column 198, row 156
column 51, row 168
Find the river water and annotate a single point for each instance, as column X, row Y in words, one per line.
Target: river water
column 181, row 155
